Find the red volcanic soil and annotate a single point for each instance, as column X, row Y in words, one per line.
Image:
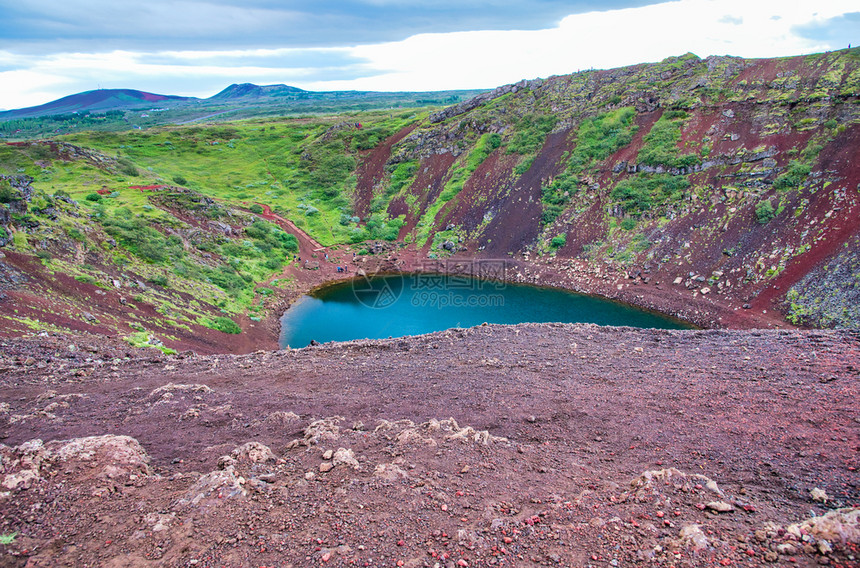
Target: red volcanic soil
column 523, row 445
column 56, row 299
column 371, row 171
column 843, row 151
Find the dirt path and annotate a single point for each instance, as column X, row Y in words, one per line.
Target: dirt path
column 306, row 243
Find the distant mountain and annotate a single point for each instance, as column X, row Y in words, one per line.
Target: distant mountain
column 250, row 90
column 123, row 109
column 99, row 100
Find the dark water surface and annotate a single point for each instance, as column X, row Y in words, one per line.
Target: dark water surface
column 412, row 304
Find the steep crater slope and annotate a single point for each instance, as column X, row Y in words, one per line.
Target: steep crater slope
column 721, row 177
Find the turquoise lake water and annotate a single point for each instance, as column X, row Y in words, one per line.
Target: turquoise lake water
column 412, row 304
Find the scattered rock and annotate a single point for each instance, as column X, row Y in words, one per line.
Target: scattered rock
column 253, row 452
column 720, row 506
column 344, row 456
column 223, row 484
column 327, row 429
column 123, row 455
column 693, row 537
column 841, row 526
column 172, row 388
column 281, row 418
column 818, row 495
column 390, row 472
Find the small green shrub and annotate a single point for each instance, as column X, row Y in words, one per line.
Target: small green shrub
column 558, row 241
column 794, row 176
column 93, row 197
column 179, row 180
column 765, row 212
column 224, row 325
column 7, row 193
column 76, row 234
column 256, row 208
column 628, row 223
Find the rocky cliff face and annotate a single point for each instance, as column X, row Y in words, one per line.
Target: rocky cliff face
column 724, row 176
column 15, row 193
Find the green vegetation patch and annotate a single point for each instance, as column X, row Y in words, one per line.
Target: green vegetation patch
column 660, row 145
column 597, row 138
column 795, row 175
column 601, row 136
column 531, row 131
column 222, row 324
column 765, row 212
column 8, row 194
column 485, row 146
column 402, row 176
column 643, row 192
column 136, row 235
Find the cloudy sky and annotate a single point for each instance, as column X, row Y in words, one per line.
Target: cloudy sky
column 53, row 48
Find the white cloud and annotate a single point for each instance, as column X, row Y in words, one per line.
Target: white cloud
column 22, row 88
column 595, row 39
column 480, row 59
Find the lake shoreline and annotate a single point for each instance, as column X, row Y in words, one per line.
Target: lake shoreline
column 413, row 303
column 596, row 279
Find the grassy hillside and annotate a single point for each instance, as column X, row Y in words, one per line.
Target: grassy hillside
column 304, row 169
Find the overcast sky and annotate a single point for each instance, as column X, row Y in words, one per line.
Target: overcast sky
column 53, row 48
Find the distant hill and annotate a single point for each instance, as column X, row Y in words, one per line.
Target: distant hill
column 250, row 90
column 123, row 109
column 98, row 100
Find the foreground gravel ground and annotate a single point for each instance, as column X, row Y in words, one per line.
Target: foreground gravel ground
column 536, row 444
